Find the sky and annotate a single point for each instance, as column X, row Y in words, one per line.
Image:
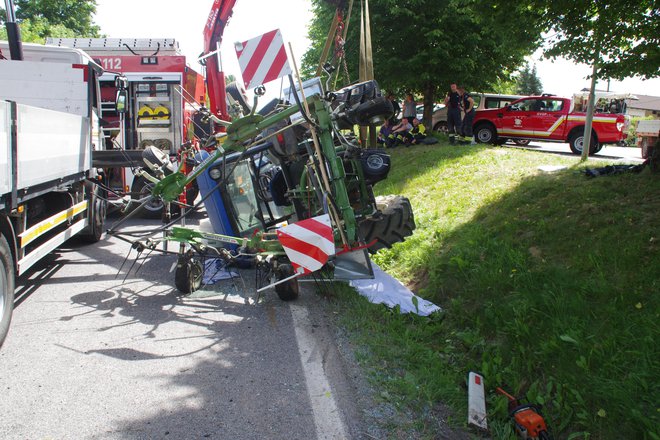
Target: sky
column 185, row 21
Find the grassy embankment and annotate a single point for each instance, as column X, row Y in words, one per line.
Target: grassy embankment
column 549, row 284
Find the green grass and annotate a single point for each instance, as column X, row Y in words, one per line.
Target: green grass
column 549, row 285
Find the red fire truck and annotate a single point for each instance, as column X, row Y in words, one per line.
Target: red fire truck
column 162, row 90
column 547, row 118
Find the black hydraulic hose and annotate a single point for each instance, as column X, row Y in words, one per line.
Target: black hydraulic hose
column 297, row 98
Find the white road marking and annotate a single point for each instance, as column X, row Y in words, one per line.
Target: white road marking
column 329, row 425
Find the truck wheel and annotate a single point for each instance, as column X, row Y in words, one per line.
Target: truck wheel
column 289, row 290
column 141, row 189
column 576, row 143
column 441, row 127
column 6, row 288
column 486, row 134
column 188, row 275
column 98, row 208
column 395, row 223
column 653, row 155
column 521, row 142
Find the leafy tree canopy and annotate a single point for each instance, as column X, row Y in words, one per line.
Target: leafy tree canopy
column 422, row 46
column 622, row 36
column 53, row 18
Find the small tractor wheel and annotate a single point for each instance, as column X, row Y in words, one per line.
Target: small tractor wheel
column 237, row 92
column 155, row 158
column 142, row 188
column 395, row 223
column 188, row 275
column 287, row 291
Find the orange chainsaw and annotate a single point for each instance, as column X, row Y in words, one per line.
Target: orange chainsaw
column 527, row 419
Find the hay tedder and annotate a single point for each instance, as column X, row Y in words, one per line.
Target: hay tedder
column 287, row 189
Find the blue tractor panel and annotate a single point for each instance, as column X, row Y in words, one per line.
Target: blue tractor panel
column 215, row 207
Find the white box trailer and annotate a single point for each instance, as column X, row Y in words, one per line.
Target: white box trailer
column 49, row 127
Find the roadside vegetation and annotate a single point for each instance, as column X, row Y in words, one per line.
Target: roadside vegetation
column 631, row 139
column 549, row 286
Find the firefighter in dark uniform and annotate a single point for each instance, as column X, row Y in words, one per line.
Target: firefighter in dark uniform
column 396, row 107
column 453, row 105
column 417, row 134
column 467, row 103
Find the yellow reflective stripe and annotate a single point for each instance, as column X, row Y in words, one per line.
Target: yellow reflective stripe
column 556, row 125
column 523, row 132
column 605, row 119
column 44, row 226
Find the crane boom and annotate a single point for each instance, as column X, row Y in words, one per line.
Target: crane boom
column 219, row 16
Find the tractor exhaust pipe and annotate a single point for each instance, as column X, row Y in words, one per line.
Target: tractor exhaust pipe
column 13, row 32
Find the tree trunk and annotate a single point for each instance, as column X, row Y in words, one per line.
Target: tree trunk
column 586, row 144
column 429, row 100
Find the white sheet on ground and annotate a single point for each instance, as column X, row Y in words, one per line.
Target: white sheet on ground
column 385, row 289
column 215, row 270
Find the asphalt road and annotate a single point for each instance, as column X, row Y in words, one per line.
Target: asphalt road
column 91, row 355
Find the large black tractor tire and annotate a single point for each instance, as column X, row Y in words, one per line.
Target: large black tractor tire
column 6, row 288
column 188, row 275
column 288, row 290
column 576, row 143
column 374, row 111
column 395, row 223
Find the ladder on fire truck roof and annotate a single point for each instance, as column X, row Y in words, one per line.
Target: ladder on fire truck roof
column 142, row 46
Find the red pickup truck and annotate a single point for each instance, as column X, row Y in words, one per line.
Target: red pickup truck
column 548, row 118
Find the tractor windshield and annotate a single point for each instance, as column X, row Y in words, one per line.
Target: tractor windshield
column 243, row 196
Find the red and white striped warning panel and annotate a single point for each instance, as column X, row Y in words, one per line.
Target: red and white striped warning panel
column 476, row 401
column 262, row 59
column 308, row 243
